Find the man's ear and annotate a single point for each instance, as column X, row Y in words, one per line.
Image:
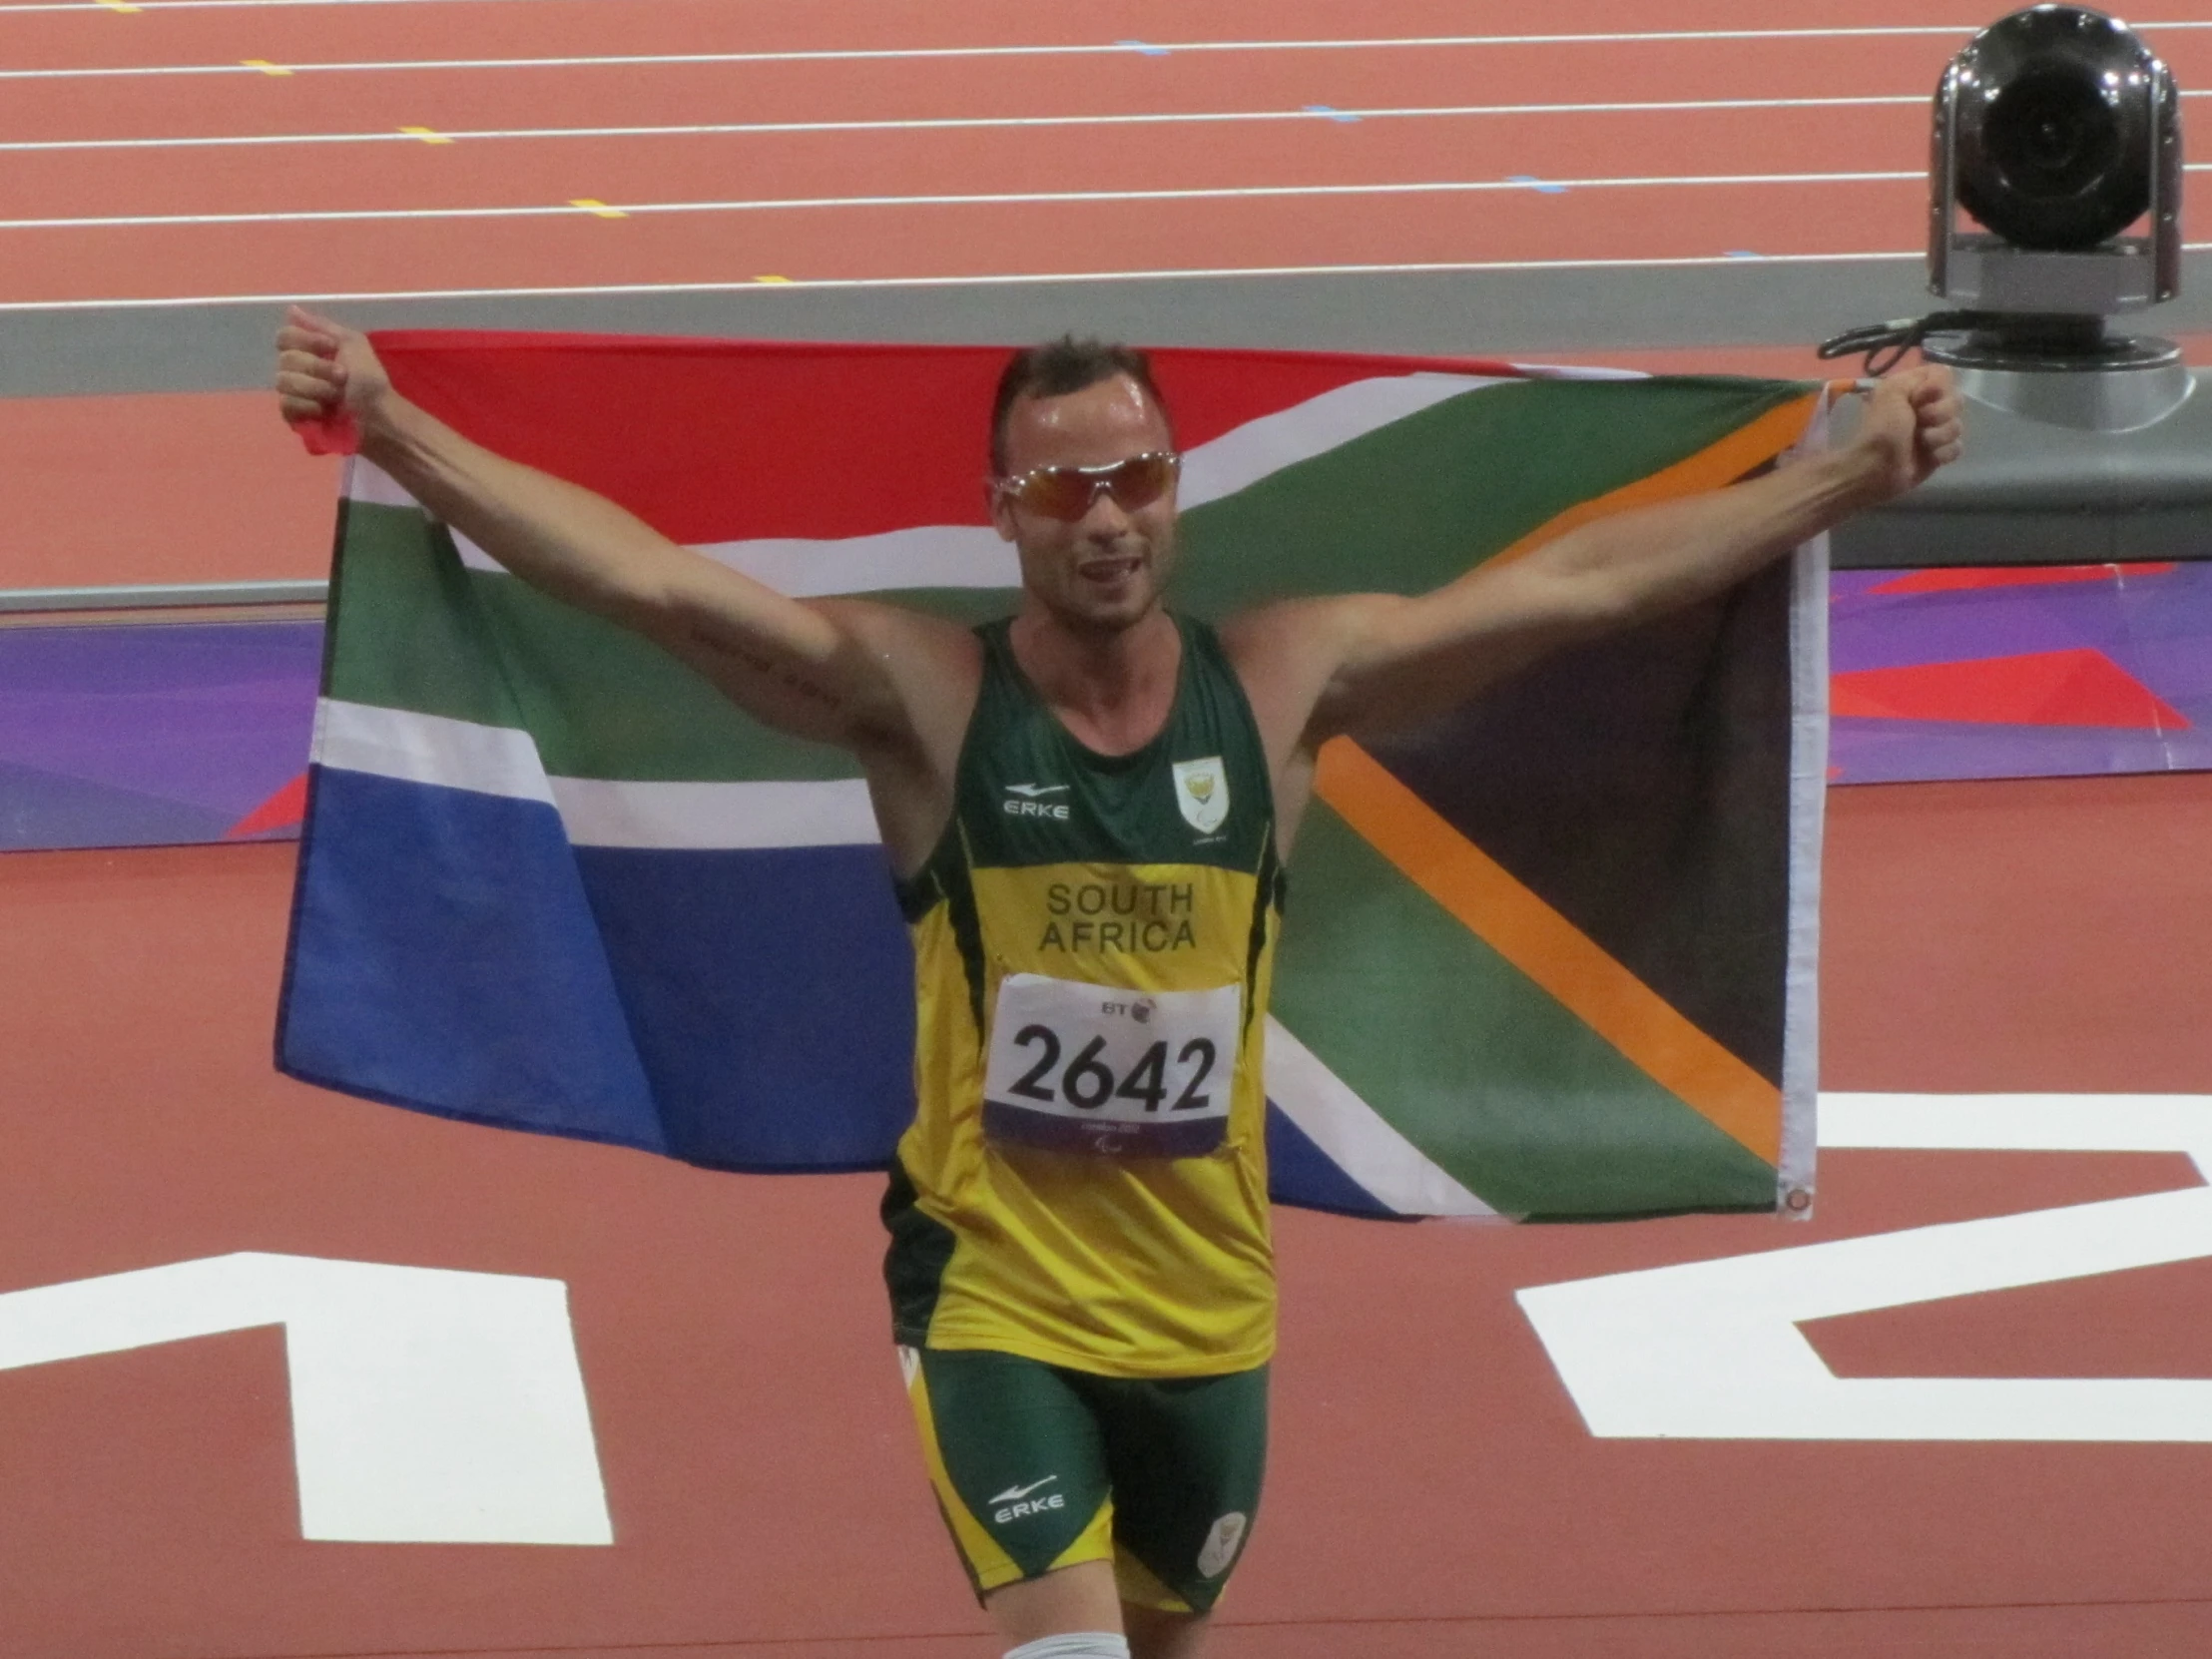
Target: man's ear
column 1002, row 514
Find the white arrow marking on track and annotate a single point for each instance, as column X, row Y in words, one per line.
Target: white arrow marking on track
column 1711, row 1350
column 428, row 1405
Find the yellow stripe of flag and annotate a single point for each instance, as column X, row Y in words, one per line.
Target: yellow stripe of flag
column 1539, row 942
column 1549, row 949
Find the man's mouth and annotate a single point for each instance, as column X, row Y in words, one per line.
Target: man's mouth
column 1118, row 566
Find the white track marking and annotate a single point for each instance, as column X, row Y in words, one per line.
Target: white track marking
column 213, row 5
column 360, row 296
column 427, row 1405
column 957, row 123
column 1066, row 198
column 1415, row 112
column 457, row 135
column 1711, row 1350
column 993, row 280
column 1127, row 48
column 276, row 5
column 1042, row 198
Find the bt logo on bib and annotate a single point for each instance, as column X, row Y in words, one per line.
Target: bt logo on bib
column 1202, row 792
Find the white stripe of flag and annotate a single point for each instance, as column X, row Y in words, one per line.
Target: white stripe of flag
column 503, row 761
column 971, row 555
column 1355, row 1137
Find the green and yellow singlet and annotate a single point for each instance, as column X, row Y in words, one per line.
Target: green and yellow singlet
column 1085, row 1180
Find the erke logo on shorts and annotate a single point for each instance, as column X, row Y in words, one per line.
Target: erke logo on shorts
column 1030, row 805
column 1017, row 1502
column 1220, row 1544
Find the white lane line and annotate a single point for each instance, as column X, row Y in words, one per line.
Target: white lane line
column 1225, row 193
column 1419, row 112
column 211, row 5
column 363, row 297
column 1125, row 48
column 961, row 123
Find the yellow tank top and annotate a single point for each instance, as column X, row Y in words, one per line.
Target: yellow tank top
column 1085, row 1179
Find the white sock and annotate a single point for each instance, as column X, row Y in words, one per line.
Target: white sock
column 1076, row 1644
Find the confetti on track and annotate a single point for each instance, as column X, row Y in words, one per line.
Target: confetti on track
column 1249, row 143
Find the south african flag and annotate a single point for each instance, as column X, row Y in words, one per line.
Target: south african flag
column 1552, row 955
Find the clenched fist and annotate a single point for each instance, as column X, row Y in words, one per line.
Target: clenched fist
column 1911, row 426
column 327, row 379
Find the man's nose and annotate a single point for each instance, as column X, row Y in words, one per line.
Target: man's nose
column 1105, row 515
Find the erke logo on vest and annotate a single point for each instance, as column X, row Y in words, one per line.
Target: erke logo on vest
column 1202, row 792
column 1028, row 803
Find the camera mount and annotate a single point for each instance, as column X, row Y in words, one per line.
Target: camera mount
column 2056, row 133
column 2054, row 208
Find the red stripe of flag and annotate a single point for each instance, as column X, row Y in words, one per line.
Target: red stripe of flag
column 722, row 467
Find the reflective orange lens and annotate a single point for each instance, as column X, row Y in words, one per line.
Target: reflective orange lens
column 1066, row 492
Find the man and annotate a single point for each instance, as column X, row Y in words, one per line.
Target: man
column 1085, row 808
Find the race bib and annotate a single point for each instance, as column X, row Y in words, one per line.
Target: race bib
column 1117, row 1073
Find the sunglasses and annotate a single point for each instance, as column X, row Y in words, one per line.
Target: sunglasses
column 1068, row 492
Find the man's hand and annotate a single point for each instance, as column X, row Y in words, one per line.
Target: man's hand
column 1911, row 426
column 328, row 376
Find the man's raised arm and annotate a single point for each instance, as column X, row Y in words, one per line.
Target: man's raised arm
column 839, row 672
column 1378, row 661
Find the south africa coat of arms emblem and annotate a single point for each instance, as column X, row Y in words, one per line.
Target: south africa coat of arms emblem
column 1202, row 791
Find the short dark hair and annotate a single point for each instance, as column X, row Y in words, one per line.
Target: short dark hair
column 1058, row 367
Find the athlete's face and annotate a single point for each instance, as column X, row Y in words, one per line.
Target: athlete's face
column 1102, row 572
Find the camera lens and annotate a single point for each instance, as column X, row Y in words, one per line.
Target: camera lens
column 2054, row 127
column 2052, row 134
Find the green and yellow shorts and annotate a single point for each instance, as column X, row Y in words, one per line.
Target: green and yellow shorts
column 1037, row 1467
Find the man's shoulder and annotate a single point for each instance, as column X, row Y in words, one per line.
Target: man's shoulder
column 903, row 630
column 925, row 670
column 1286, row 654
column 1286, row 631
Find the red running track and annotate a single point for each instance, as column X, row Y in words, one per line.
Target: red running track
column 1364, row 191
column 1434, row 1493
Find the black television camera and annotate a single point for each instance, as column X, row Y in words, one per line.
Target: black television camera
column 2054, row 204
column 2055, row 207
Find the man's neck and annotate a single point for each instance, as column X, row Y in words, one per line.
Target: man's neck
column 1112, row 689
